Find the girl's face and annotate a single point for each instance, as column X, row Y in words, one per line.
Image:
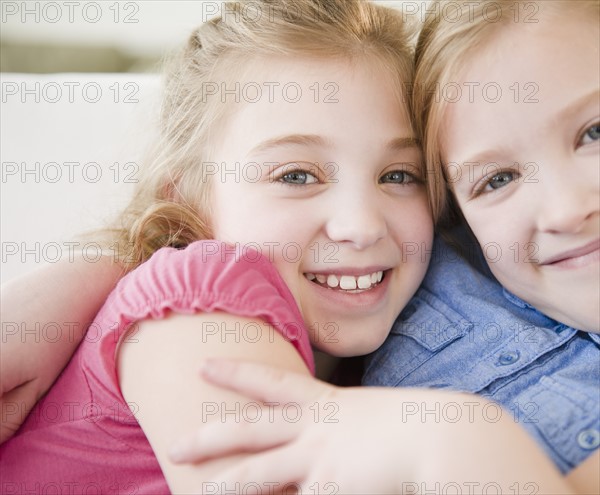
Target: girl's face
column 318, row 168
column 524, row 165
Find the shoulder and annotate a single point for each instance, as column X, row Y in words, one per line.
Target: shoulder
column 159, row 374
column 461, row 330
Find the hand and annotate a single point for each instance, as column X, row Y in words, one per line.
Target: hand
column 323, row 438
column 57, row 296
column 16, row 405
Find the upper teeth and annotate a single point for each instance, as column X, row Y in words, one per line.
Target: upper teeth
column 347, row 282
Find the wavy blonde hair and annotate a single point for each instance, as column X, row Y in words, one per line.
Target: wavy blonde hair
column 171, row 206
column 448, row 37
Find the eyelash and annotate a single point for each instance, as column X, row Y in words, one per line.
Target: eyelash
column 408, row 178
column 282, row 180
column 595, row 127
column 481, row 188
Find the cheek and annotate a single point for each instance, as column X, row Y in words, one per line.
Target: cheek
column 229, row 225
column 503, row 239
column 240, row 213
column 487, row 224
column 224, row 211
column 412, row 222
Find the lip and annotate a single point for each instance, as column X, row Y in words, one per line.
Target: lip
column 576, row 258
column 354, row 302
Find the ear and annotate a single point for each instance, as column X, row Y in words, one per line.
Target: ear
column 170, row 190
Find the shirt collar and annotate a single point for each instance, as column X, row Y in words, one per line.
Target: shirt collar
column 517, row 301
column 559, row 327
column 595, row 337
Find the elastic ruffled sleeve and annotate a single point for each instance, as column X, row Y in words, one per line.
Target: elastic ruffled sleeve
column 206, row 276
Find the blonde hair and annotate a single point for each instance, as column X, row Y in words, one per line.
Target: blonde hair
column 449, row 35
column 171, row 206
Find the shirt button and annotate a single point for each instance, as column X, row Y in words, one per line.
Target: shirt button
column 560, row 328
column 509, row 358
column 589, row 439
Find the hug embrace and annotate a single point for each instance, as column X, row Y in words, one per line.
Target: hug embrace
column 425, row 195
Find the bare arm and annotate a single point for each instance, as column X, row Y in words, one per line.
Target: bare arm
column 379, row 440
column 158, row 371
column 44, row 317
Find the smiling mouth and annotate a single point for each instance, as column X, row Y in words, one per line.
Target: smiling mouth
column 347, row 283
column 575, row 257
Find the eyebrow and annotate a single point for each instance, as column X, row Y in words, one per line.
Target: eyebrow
column 565, row 114
column 290, row 140
column 397, row 144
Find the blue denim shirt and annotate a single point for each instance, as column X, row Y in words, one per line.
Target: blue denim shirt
column 463, row 331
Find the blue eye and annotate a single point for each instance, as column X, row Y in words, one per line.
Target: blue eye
column 591, row 135
column 500, row 180
column 298, row 178
column 397, row 177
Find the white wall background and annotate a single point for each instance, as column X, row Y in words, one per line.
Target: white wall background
column 69, row 161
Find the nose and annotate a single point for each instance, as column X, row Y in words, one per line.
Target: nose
column 357, row 219
column 566, row 205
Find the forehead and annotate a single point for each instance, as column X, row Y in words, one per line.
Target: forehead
column 524, row 77
column 279, row 96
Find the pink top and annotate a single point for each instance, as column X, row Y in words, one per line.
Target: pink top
column 82, row 437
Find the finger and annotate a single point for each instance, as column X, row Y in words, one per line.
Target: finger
column 264, row 383
column 16, row 405
column 220, row 439
column 275, row 471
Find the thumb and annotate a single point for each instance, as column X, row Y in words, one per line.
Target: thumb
column 15, row 406
column 261, row 382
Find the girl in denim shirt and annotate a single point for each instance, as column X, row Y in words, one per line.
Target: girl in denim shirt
column 506, row 100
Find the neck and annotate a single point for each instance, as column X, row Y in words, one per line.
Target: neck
column 324, row 365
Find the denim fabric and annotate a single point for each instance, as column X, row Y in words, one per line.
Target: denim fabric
column 463, row 331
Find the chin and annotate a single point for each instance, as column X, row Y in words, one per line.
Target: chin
column 583, row 319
